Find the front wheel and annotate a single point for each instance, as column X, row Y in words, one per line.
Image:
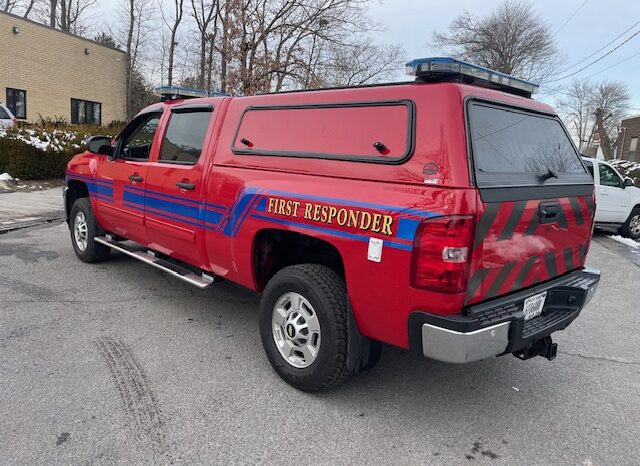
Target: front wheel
column 84, row 228
column 304, row 316
column 631, row 228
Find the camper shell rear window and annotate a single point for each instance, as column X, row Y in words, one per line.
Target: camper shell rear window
column 516, row 147
column 381, row 131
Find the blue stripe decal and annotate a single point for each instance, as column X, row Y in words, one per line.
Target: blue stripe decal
column 189, row 212
column 344, row 234
column 99, row 189
column 394, row 209
column 170, row 196
column 237, row 212
column 249, row 209
column 211, row 216
column 262, row 205
column 164, row 215
column 101, row 197
column 407, row 228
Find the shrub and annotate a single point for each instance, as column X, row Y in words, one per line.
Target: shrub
column 25, row 161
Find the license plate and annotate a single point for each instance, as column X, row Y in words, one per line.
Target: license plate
column 533, row 305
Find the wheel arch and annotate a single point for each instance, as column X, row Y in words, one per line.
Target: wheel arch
column 274, row 249
column 75, row 190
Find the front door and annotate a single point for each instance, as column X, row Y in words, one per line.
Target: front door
column 128, row 172
column 611, row 199
column 174, row 211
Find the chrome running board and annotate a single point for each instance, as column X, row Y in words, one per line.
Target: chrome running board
column 201, row 281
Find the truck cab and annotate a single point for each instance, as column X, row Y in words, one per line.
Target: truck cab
column 617, row 198
column 450, row 216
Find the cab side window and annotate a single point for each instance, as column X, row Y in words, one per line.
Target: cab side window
column 136, row 144
column 608, row 177
column 185, row 136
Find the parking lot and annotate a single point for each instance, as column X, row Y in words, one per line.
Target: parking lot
column 116, row 362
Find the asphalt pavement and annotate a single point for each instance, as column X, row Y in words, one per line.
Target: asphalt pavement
column 117, row 363
column 22, row 209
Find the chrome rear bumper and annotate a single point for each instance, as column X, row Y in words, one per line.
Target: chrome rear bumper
column 498, row 327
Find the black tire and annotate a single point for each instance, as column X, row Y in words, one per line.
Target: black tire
column 627, row 229
column 93, row 252
column 327, row 294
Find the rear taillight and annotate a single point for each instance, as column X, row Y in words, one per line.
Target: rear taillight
column 441, row 254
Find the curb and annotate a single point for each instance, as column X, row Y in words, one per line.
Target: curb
column 56, row 217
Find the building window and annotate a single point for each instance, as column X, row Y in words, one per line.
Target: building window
column 85, row 112
column 17, row 102
column 633, row 145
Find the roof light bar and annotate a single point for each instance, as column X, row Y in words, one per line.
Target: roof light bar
column 448, row 69
column 176, row 92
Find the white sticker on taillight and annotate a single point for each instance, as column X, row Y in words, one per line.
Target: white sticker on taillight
column 455, row 255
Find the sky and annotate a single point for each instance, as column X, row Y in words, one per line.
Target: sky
column 581, row 27
column 411, row 23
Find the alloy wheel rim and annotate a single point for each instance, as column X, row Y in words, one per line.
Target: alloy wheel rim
column 634, row 225
column 80, row 233
column 296, row 330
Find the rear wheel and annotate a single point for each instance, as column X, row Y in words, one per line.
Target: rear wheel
column 84, row 228
column 631, row 228
column 304, row 326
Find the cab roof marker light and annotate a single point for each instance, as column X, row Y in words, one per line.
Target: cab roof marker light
column 176, row 92
column 440, row 69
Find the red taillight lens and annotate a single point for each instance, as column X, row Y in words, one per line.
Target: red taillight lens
column 441, row 254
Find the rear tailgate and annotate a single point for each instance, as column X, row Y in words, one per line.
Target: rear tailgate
column 537, row 201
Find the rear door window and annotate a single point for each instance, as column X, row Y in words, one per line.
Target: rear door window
column 184, row 137
column 513, row 147
column 360, row 131
column 3, row 114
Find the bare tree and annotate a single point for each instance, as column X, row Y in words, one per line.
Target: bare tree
column 173, row 43
column 513, row 39
column 594, row 108
column 9, row 5
column 363, row 63
column 611, row 101
column 576, row 108
column 130, row 34
column 204, row 12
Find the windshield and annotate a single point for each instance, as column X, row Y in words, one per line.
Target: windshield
column 511, row 147
column 4, row 115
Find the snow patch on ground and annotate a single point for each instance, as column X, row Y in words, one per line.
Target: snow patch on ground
column 627, row 241
column 5, row 177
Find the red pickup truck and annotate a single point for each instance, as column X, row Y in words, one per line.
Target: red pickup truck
column 450, row 216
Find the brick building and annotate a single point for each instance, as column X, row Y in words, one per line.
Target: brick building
column 46, row 72
column 627, row 147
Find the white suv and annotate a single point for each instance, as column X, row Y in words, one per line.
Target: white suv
column 6, row 117
column 617, row 199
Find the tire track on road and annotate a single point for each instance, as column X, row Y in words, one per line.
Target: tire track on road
column 138, row 400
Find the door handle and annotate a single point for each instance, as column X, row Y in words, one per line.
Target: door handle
column 185, row 185
column 548, row 212
column 135, row 177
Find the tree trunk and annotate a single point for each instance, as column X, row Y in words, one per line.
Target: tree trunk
column 52, row 13
column 172, row 47
column 63, row 16
column 605, row 142
column 128, row 69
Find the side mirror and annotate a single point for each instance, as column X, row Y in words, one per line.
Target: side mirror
column 628, row 182
column 100, row 145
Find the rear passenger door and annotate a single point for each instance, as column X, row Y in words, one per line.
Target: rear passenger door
column 173, row 209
